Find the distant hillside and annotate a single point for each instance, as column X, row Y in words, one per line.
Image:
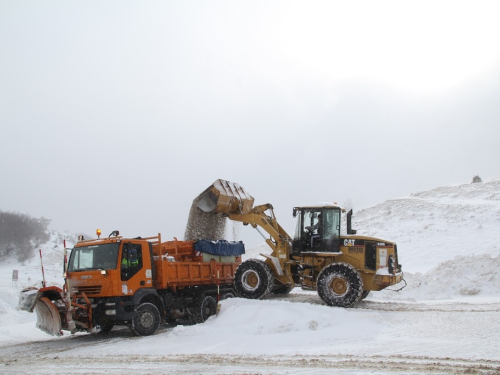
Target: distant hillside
column 433, row 226
column 436, row 225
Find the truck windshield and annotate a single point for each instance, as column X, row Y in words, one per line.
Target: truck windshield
column 94, row 257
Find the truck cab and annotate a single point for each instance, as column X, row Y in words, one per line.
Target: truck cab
column 111, row 275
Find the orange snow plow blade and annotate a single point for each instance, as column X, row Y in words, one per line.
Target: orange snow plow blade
column 52, row 313
column 225, row 197
column 48, row 317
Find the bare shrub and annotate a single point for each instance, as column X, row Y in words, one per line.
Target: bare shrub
column 21, row 234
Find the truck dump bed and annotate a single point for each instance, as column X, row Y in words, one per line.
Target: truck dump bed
column 178, row 265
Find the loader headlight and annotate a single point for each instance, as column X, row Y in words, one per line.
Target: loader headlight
column 110, row 312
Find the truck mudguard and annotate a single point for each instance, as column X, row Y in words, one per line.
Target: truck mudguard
column 148, row 295
column 220, row 247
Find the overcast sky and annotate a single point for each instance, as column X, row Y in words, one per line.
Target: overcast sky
column 117, row 114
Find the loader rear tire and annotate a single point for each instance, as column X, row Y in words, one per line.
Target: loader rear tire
column 146, row 320
column 340, row 284
column 205, row 307
column 253, row 279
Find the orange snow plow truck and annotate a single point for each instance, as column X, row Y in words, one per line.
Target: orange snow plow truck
column 136, row 282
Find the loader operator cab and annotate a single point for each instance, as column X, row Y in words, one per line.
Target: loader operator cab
column 317, row 229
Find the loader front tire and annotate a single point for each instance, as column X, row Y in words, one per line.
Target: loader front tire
column 253, row 279
column 146, row 320
column 340, row 284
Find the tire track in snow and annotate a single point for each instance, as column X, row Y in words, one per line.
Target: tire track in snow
column 222, row 364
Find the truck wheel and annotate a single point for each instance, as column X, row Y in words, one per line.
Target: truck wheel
column 227, row 295
column 253, row 279
column 364, row 294
column 339, row 284
column 146, row 320
column 205, row 307
column 281, row 289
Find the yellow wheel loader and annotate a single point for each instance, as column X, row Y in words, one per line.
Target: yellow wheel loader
column 342, row 268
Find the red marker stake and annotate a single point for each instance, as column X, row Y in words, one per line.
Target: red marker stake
column 43, row 272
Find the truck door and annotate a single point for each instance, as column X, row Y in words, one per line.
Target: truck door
column 131, row 260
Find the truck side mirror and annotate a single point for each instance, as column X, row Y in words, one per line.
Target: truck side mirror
column 349, row 229
column 294, row 211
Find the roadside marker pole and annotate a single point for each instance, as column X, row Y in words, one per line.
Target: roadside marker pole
column 43, row 272
column 218, row 287
column 218, row 290
column 66, row 281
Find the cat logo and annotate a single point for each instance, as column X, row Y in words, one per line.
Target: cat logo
column 348, row 242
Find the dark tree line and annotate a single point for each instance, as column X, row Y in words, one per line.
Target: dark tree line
column 21, row 234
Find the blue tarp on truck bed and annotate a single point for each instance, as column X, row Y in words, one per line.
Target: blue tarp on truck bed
column 220, row 247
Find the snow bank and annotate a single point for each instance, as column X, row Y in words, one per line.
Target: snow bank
column 434, row 226
column 461, row 277
column 264, row 327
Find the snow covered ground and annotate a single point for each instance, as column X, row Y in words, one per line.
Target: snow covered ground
column 445, row 320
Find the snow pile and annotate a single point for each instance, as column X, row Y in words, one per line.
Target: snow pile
column 463, row 276
column 15, row 325
column 434, row 226
column 29, row 274
column 266, row 327
column 275, row 317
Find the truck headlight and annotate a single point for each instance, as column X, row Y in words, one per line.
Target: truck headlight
column 110, row 312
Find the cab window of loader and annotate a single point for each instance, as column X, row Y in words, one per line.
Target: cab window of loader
column 331, row 229
column 298, row 227
column 331, row 223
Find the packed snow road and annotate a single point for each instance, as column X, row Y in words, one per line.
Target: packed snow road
column 217, row 364
column 437, row 337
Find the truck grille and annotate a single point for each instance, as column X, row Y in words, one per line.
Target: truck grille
column 88, row 290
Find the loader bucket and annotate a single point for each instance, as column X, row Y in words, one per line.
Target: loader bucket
column 224, row 197
column 48, row 317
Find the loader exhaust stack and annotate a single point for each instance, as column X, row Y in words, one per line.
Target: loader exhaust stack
column 224, row 197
